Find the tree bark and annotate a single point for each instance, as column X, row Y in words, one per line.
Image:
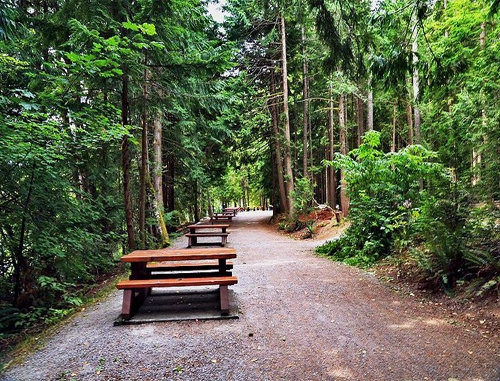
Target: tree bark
column 129, row 216
column 144, row 159
column 19, row 261
column 287, row 140
column 344, row 200
column 360, row 113
column 168, row 184
column 369, row 118
column 476, row 152
column 394, row 110
column 157, row 181
column 331, row 178
column 409, row 115
column 305, row 100
column 277, row 144
column 416, row 81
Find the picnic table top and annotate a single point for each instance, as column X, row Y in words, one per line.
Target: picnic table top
column 206, row 226
column 179, row 254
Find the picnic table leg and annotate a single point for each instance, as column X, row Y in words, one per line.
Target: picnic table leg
column 193, row 240
column 133, row 298
column 224, row 299
column 127, row 305
column 222, row 267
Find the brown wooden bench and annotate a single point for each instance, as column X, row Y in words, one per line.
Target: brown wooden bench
column 219, row 218
column 131, row 286
column 233, row 210
column 156, row 270
column 193, row 238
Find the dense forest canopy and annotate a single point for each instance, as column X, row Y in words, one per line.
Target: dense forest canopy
column 120, row 121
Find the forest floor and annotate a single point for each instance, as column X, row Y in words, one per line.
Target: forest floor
column 301, row 317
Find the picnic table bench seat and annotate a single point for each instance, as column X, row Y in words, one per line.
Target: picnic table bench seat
column 219, row 219
column 192, row 238
column 131, row 286
column 158, row 270
column 204, row 230
column 169, row 266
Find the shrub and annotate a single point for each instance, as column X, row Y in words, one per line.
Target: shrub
column 384, row 189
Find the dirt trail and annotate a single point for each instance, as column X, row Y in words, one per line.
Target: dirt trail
column 301, row 318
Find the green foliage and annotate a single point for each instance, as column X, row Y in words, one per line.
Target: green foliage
column 384, row 189
column 303, row 195
column 456, row 240
column 441, row 227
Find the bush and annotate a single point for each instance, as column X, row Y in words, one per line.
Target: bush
column 384, row 189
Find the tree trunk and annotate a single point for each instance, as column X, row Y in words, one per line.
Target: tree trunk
column 331, row 178
column 369, row 118
column 19, row 261
column 409, row 115
column 360, row 113
column 144, row 159
column 277, row 144
column 129, row 216
column 287, row 140
column 394, row 114
column 476, row 152
column 196, row 211
column 344, row 200
column 168, row 184
column 416, row 81
column 157, row 181
column 305, row 102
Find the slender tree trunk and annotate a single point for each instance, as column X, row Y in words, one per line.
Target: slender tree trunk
column 409, row 116
column 19, row 260
column 168, row 184
column 416, row 81
column 196, row 194
column 277, row 144
column 305, row 109
column 344, row 200
column 476, row 151
column 360, row 113
column 129, row 216
column 394, row 114
column 369, row 118
column 287, row 140
column 158, row 181
column 144, row 158
column 331, row 184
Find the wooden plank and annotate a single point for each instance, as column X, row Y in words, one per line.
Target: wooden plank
column 185, row 266
column 207, row 234
column 224, row 299
column 207, row 226
column 184, row 274
column 179, row 254
column 219, row 219
column 180, row 282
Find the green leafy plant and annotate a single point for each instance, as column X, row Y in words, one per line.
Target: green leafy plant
column 303, row 195
column 384, row 189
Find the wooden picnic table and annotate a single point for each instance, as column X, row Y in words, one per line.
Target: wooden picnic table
column 233, row 210
column 204, row 230
column 141, row 281
column 216, row 218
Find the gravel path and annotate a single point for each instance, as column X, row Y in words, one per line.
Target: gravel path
column 301, row 318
